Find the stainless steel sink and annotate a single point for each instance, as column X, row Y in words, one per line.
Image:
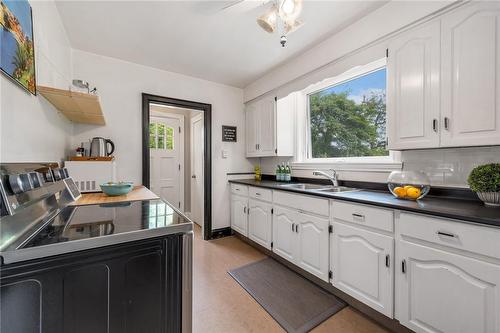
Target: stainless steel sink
column 336, row 189
column 305, row 186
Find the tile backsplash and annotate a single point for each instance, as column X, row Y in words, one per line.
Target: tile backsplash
column 449, row 167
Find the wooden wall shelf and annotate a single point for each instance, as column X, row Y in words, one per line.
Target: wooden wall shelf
column 76, row 106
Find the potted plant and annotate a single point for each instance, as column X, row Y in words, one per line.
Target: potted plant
column 485, row 181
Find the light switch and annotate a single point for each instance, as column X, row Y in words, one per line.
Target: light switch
column 225, row 153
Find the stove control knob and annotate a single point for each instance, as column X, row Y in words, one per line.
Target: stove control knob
column 64, row 173
column 36, row 179
column 57, row 174
column 20, row 183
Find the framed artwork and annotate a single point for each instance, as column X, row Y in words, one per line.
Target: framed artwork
column 17, row 48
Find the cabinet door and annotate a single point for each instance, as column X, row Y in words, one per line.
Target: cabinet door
column 260, row 222
column 413, row 89
column 445, row 292
column 284, row 235
column 239, row 215
column 267, row 126
column 361, row 266
column 312, row 251
column 251, row 129
column 471, row 75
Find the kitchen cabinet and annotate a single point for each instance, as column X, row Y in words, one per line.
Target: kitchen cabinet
column 260, row 222
column 284, row 234
column 361, row 262
column 413, row 66
column 312, row 253
column 239, row 216
column 121, row 288
column 441, row 291
column 442, row 81
column 470, row 71
column 270, row 127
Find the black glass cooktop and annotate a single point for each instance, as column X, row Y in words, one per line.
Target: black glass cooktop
column 83, row 222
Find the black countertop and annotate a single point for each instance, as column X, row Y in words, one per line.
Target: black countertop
column 461, row 209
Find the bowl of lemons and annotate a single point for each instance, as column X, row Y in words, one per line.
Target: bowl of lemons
column 408, row 185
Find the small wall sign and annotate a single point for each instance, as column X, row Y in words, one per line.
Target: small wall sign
column 228, row 133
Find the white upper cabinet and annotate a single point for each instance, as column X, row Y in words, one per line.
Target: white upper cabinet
column 413, row 89
column 471, row 75
column 443, row 81
column 440, row 291
column 270, row 127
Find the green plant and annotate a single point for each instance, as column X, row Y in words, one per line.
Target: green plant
column 485, row 178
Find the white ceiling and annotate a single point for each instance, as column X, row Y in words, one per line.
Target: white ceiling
column 195, row 38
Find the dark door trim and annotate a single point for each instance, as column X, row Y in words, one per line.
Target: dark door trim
column 147, row 99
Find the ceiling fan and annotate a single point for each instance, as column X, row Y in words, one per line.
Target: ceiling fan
column 283, row 15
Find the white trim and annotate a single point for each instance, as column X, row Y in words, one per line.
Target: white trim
column 196, row 118
column 349, row 75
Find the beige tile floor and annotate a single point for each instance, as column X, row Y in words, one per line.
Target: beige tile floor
column 222, row 305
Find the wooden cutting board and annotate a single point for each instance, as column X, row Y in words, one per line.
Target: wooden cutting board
column 138, row 193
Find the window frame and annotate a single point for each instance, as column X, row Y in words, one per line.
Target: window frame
column 351, row 74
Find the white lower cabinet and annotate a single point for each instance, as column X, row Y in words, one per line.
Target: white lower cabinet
column 302, row 239
column 361, row 263
column 260, row 222
column 239, row 216
column 284, row 235
column 440, row 291
column 312, row 253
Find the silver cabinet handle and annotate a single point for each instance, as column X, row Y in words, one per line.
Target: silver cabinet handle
column 297, row 228
column 403, row 266
column 293, row 226
column 435, row 125
column 447, row 123
column 446, row 234
column 387, row 260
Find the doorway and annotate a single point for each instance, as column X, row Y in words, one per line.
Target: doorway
column 177, row 156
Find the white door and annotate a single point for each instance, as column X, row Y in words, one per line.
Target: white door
column 362, row 266
column 260, row 222
column 284, row 235
column 445, row 292
column 413, row 96
column 471, row 75
column 197, row 175
column 267, row 126
column 251, row 129
column 239, row 217
column 166, row 174
column 312, row 251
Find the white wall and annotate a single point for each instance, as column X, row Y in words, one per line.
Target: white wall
column 31, row 129
column 120, row 85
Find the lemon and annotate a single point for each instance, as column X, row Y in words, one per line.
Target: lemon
column 407, row 187
column 400, row 192
column 413, row 193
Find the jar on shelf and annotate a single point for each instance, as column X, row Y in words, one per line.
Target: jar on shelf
column 409, row 185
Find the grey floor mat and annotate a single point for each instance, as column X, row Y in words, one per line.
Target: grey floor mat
column 295, row 303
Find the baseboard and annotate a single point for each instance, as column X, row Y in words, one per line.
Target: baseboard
column 391, row 324
column 221, row 232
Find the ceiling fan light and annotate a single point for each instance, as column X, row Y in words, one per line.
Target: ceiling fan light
column 291, row 26
column 290, row 9
column 268, row 20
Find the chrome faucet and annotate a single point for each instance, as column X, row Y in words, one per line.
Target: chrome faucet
column 332, row 177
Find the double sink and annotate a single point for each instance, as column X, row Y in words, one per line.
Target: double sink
column 318, row 188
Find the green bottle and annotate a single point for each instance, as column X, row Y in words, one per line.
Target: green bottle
column 278, row 173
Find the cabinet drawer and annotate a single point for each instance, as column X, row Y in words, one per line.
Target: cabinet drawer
column 459, row 235
column 302, row 202
column 260, row 193
column 239, row 189
column 377, row 218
